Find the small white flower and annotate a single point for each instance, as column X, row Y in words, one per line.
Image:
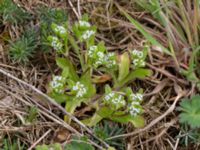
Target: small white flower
column 138, row 58
column 136, row 96
column 135, row 103
column 98, row 63
column 115, row 99
column 84, row 23
column 135, row 107
column 100, row 55
column 110, row 60
column 87, row 34
column 60, row 29
column 92, row 51
column 142, row 63
column 92, row 48
column 56, row 44
column 135, row 62
column 111, row 54
column 138, row 62
column 79, row 89
column 57, row 84
column 100, row 59
column 137, row 53
column 134, row 111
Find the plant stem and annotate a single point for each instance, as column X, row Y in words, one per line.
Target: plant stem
column 77, row 50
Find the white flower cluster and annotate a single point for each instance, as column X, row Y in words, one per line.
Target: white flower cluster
column 115, row 99
column 87, row 34
column 60, row 29
column 110, row 60
column 138, row 63
column 137, row 96
column 137, row 53
column 56, row 44
column 100, row 58
column 92, row 51
column 57, row 84
column 79, row 89
column 83, row 23
column 138, row 58
column 135, row 107
column 96, row 55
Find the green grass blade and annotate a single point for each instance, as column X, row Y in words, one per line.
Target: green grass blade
column 149, row 37
column 195, row 22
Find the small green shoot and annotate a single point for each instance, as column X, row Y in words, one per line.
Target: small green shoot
column 107, row 130
column 24, row 47
column 11, row 13
column 32, row 114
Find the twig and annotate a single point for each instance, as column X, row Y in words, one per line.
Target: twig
column 73, row 8
column 177, row 142
column 168, row 74
column 48, row 114
column 79, row 8
column 53, row 102
column 42, row 137
column 159, row 135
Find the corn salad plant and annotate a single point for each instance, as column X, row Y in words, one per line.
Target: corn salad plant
column 78, row 82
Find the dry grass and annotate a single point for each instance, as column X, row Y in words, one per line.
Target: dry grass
column 119, row 35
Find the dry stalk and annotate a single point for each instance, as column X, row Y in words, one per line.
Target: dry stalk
column 40, row 139
column 53, row 102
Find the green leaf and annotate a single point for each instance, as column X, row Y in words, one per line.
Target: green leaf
column 59, row 98
column 62, row 62
column 104, row 112
column 111, row 148
column 65, row 72
column 107, row 89
column 139, row 73
column 87, row 81
column 124, row 66
column 66, row 65
column 190, row 111
column 78, row 145
column 148, row 36
column 42, row 147
column 128, row 90
column 71, row 105
column 54, row 146
column 92, row 121
column 137, row 121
